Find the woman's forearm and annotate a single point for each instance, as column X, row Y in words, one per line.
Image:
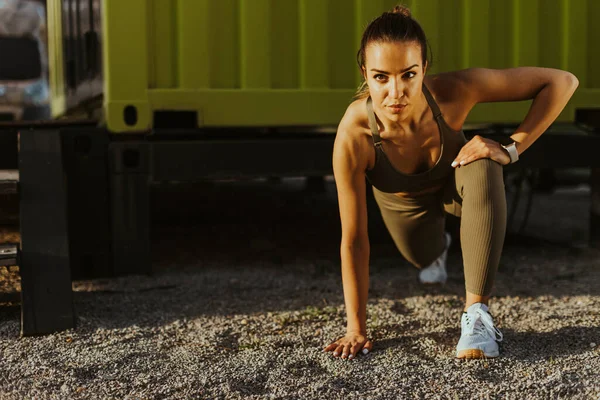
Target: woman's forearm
column 545, row 108
column 355, row 279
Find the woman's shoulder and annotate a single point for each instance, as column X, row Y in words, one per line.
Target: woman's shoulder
column 450, row 92
column 353, row 138
column 446, row 87
column 463, row 85
column 355, row 123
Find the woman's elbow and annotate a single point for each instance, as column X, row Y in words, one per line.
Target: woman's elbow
column 571, row 81
column 563, row 84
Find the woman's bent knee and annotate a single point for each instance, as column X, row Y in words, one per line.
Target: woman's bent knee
column 484, row 167
column 480, row 174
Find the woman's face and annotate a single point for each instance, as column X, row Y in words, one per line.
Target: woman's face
column 394, row 72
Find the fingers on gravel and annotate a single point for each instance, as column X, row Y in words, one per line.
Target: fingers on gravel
column 368, row 347
column 338, row 350
column 354, row 350
column 346, row 351
column 331, row 347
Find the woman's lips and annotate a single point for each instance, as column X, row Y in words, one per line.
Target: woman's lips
column 397, row 108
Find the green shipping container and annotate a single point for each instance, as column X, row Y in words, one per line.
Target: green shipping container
column 74, row 53
column 293, row 62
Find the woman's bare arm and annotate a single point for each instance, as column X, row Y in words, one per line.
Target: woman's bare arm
column 349, row 164
column 349, row 167
column 549, row 88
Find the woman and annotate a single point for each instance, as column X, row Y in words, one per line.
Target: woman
column 404, row 134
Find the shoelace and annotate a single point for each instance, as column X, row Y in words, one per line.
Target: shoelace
column 486, row 324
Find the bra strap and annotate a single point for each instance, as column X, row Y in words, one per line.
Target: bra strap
column 373, row 123
column 431, row 101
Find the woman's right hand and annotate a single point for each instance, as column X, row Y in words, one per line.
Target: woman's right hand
column 349, row 345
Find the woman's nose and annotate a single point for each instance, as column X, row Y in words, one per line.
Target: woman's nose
column 395, row 89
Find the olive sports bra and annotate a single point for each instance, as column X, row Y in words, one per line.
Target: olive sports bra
column 386, row 178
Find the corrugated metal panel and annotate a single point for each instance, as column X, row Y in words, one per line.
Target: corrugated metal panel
column 55, row 58
column 590, row 47
column 75, row 45
column 293, row 62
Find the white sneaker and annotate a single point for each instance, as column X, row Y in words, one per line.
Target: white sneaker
column 436, row 272
column 479, row 337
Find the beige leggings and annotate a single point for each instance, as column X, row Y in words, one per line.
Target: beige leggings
column 417, row 224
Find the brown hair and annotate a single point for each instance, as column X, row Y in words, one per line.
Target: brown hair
column 391, row 26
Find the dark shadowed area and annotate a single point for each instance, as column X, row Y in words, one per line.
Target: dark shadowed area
column 246, row 290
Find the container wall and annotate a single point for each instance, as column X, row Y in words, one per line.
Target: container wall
column 293, row 62
column 75, row 52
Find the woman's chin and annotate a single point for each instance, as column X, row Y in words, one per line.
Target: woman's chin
column 394, row 116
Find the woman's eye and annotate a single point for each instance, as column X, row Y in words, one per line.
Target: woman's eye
column 379, row 77
column 410, row 74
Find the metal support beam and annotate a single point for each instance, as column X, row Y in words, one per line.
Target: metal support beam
column 46, row 293
column 129, row 183
column 190, row 160
column 8, row 149
column 85, row 154
column 591, row 118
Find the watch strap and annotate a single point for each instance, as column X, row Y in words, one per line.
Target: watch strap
column 512, row 152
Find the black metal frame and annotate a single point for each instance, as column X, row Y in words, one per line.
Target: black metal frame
column 44, row 265
column 85, row 196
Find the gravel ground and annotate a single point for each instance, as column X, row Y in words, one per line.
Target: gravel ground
column 242, row 302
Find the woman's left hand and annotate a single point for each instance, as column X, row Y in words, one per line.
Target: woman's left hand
column 478, row 148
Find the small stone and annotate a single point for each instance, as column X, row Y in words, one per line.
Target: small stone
column 244, row 322
column 592, row 345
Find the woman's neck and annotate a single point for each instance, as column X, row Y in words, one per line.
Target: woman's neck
column 408, row 126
